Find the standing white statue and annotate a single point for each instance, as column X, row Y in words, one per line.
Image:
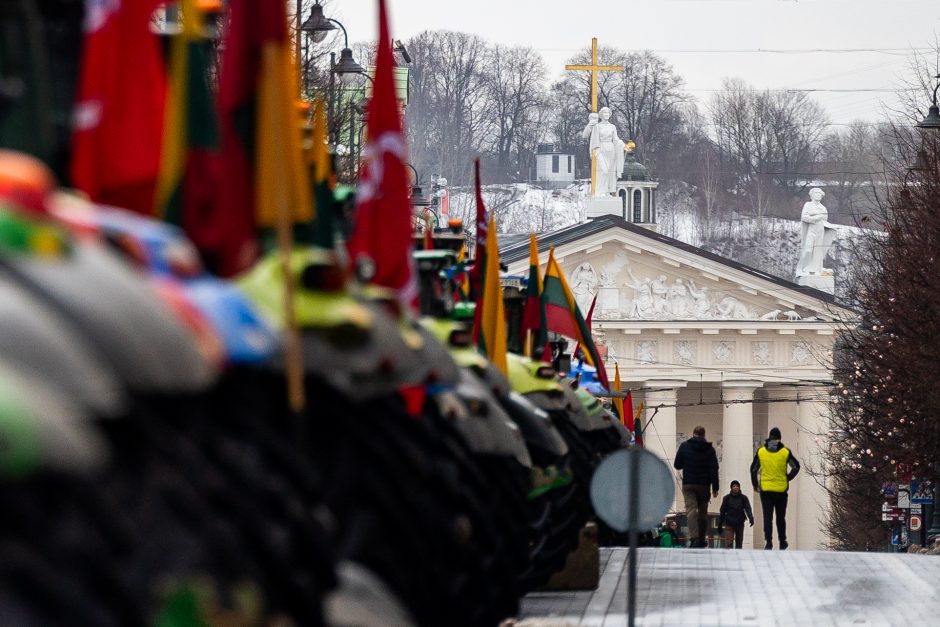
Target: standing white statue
column 817, row 236
column 607, row 149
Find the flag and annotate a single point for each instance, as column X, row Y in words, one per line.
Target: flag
column 564, row 317
column 478, row 270
column 383, row 225
column 261, row 161
column 186, row 184
column 492, row 320
column 627, row 416
column 458, row 276
column 324, row 180
column 618, row 402
column 479, row 250
column 118, row 119
column 533, row 315
column 638, row 425
column 587, row 321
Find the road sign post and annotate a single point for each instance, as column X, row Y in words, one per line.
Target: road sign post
column 625, row 504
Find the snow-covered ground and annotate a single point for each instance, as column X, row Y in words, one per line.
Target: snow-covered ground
column 768, row 244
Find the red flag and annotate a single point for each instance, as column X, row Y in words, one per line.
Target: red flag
column 479, row 251
column 587, row 321
column 627, row 417
column 382, row 231
column 479, row 260
column 118, row 120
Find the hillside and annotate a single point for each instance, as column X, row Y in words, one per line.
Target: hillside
column 768, row 244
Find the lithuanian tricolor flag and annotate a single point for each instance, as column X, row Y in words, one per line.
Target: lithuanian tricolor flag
column 564, row 317
column 190, row 129
column 492, row 332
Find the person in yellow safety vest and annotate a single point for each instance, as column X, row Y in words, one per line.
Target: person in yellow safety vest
column 772, row 470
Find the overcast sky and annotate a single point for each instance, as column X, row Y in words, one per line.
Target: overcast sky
column 682, row 30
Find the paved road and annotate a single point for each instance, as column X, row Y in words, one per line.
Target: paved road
column 751, row 588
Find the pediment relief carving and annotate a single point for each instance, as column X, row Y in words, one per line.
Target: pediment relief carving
column 630, row 286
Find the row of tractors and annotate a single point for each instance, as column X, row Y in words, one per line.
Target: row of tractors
column 152, row 471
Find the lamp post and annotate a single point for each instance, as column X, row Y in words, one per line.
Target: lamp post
column 317, row 26
column 932, row 123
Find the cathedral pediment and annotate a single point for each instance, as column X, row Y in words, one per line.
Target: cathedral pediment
column 641, row 276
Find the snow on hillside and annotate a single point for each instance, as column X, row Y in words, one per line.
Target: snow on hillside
column 768, row 244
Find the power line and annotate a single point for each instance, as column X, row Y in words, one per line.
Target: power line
column 893, row 51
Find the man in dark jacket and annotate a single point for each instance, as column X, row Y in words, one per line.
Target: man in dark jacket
column 777, row 467
column 735, row 507
column 698, row 462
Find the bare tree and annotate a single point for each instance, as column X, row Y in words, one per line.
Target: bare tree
column 771, row 137
column 446, row 117
column 647, row 98
column 850, row 157
column 514, row 80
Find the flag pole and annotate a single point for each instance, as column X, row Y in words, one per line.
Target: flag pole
column 293, row 358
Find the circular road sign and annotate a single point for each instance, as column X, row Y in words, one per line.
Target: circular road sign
column 610, row 489
column 916, row 522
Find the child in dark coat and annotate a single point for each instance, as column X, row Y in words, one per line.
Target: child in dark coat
column 735, row 507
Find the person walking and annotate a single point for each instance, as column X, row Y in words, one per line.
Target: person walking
column 735, row 508
column 698, row 462
column 772, row 470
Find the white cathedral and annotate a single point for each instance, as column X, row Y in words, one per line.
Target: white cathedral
column 704, row 340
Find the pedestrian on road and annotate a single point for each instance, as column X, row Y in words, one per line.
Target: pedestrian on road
column 669, row 535
column 735, row 508
column 772, row 470
column 698, row 462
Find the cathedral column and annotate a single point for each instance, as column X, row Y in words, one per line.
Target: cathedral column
column 660, row 427
column 812, row 499
column 737, row 437
column 783, row 413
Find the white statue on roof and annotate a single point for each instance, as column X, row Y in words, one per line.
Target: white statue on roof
column 607, row 148
column 817, row 236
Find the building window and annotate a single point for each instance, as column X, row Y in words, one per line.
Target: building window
column 569, row 164
column 555, row 164
column 637, row 206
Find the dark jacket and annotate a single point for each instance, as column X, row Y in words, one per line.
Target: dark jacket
column 791, row 465
column 698, row 462
column 735, row 508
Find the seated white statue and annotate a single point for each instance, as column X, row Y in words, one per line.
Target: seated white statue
column 817, row 236
column 607, row 149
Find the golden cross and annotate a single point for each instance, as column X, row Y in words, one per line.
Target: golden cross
column 594, row 69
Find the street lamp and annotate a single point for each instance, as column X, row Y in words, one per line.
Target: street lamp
column 317, row 26
column 932, row 121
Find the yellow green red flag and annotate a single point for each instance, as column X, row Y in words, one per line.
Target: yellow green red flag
column 492, row 337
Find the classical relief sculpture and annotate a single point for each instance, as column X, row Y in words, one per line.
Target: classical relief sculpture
column 685, row 351
column 723, row 352
column 642, row 305
column 760, row 353
column 678, row 299
column 800, row 354
column 731, row 307
column 701, row 306
column 607, row 148
column 645, row 351
column 660, row 291
column 583, row 284
column 817, row 236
